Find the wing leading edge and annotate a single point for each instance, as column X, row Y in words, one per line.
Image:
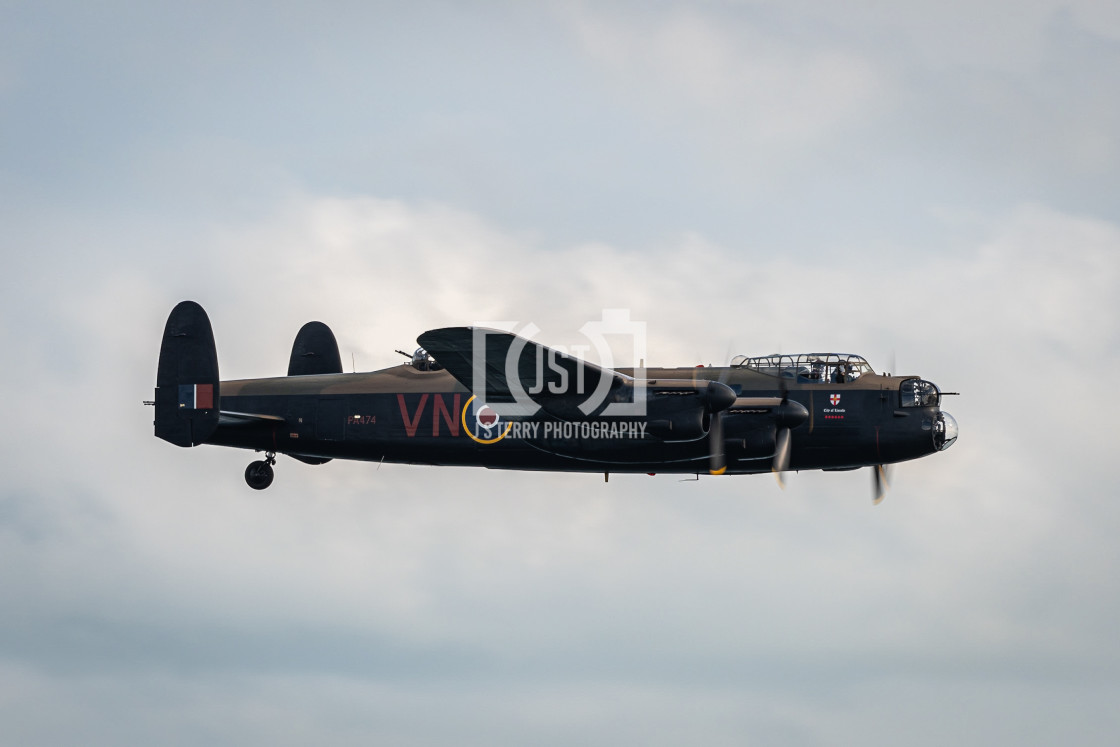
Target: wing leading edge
column 502, row 367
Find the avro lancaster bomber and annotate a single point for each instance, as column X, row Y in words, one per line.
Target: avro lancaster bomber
column 472, row 396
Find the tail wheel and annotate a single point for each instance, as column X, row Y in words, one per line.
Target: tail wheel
column 259, row 475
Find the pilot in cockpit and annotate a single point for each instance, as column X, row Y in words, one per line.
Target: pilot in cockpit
column 817, row 373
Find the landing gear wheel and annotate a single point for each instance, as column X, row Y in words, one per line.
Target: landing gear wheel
column 259, row 475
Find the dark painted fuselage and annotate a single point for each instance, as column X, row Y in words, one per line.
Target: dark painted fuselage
column 406, row 415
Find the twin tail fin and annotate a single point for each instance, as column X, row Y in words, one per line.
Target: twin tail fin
column 188, row 392
column 188, row 395
column 315, row 351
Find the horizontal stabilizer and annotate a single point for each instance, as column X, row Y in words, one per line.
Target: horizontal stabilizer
column 228, row 419
column 315, row 351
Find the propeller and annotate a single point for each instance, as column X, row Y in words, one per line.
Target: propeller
column 719, row 398
column 781, row 454
column 882, row 478
column 717, row 461
column 782, row 437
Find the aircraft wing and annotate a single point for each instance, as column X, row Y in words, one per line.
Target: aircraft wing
column 501, row 367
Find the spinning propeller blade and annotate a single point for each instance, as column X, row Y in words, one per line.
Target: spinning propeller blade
column 781, row 454
column 881, row 482
column 719, row 398
column 717, row 462
column 781, row 442
column 718, row 402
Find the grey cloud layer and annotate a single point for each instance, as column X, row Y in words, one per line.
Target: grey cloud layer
column 941, row 194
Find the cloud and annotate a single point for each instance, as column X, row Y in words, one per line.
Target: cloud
column 380, row 271
column 133, row 562
column 861, row 119
column 931, row 186
column 728, row 76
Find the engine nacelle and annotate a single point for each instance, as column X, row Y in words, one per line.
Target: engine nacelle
column 682, row 410
column 687, row 425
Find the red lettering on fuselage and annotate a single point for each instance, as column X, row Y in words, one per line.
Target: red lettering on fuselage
column 440, row 410
column 451, row 417
column 411, row 424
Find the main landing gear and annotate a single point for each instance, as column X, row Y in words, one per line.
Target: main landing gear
column 259, row 474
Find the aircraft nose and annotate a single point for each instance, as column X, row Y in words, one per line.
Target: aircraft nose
column 945, row 432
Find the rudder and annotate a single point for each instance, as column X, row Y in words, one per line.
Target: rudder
column 187, row 398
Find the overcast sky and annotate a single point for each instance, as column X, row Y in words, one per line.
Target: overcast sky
column 933, row 186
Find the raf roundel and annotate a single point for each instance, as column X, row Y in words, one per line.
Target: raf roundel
column 486, row 429
column 486, row 417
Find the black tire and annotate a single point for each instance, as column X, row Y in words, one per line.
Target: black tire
column 258, row 475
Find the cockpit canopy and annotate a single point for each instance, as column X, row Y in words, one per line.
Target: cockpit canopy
column 836, row 368
column 919, row 393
